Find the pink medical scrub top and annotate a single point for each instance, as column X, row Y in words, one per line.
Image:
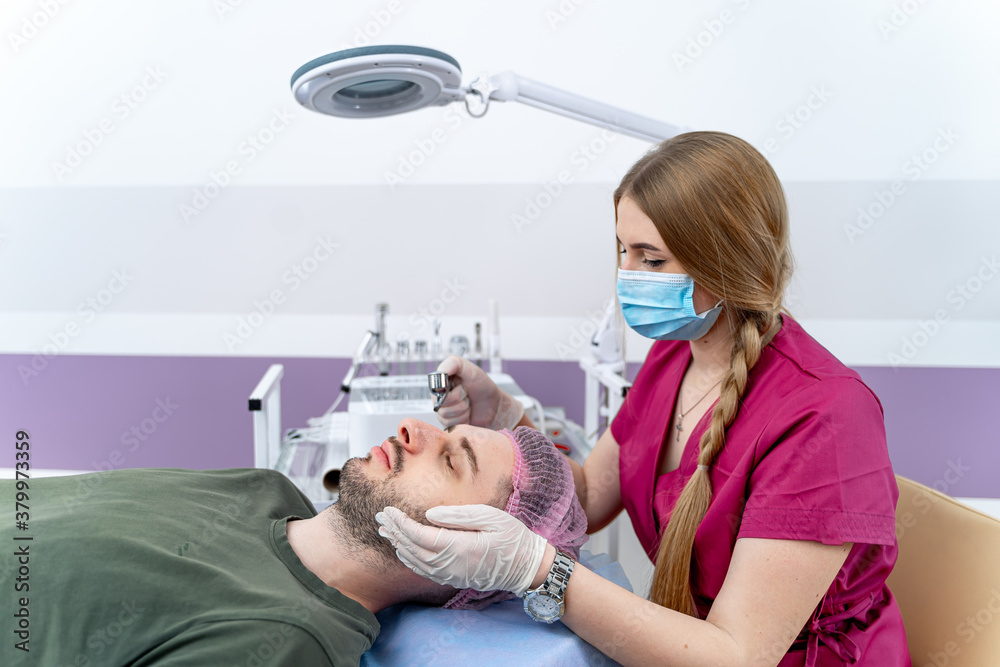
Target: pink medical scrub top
column 805, row 459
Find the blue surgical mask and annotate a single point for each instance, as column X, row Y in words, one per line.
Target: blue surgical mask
column 661, row 305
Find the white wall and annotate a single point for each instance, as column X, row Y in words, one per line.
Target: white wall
column 886, row 81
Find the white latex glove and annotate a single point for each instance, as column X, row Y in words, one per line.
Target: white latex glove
column 475, row 399
column 495, row 551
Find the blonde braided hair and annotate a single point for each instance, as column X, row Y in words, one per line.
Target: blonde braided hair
column 720, row 209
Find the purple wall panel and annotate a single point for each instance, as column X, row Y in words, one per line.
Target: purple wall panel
column 80, row 411
column 941, row 426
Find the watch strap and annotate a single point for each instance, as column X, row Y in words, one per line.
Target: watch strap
column 558, row 578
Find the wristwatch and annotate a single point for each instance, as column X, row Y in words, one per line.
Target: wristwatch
column 546, row 603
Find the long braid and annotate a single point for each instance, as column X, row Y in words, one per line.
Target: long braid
column 671, row 585
column 720, row 210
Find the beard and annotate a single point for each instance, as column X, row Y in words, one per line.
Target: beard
column 353, row 515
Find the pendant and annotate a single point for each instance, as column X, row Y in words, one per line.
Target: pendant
column 679, row 429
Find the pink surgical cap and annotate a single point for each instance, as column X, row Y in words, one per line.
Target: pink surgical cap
column 544, row 499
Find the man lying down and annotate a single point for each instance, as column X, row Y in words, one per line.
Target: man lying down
column 234, row 567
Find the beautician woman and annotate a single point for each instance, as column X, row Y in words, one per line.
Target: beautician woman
column 752, row 462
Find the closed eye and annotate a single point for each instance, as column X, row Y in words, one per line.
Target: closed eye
column 651, row 263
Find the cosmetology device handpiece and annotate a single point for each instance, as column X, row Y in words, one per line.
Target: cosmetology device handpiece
column 439, row 386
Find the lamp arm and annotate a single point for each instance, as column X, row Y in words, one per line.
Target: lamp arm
column 511, row 87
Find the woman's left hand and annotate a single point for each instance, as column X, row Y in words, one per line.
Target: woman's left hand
column 492, row 551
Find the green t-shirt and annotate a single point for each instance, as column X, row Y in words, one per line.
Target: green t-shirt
column 168, row 567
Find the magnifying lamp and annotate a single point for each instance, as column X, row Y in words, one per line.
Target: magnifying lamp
column 373, row 81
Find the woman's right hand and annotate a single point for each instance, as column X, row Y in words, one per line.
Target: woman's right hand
column 475, row 399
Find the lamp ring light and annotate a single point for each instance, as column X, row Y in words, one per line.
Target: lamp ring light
column 373, row 81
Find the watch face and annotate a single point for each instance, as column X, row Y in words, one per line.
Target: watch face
column 543, row 607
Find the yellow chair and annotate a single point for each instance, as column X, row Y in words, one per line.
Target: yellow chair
column 947, row 579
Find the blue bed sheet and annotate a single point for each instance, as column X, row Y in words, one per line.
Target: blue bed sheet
column 501, row 634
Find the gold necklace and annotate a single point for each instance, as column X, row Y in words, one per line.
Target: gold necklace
column 680, row 407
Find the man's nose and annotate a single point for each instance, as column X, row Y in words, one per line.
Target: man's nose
column 415, row 435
